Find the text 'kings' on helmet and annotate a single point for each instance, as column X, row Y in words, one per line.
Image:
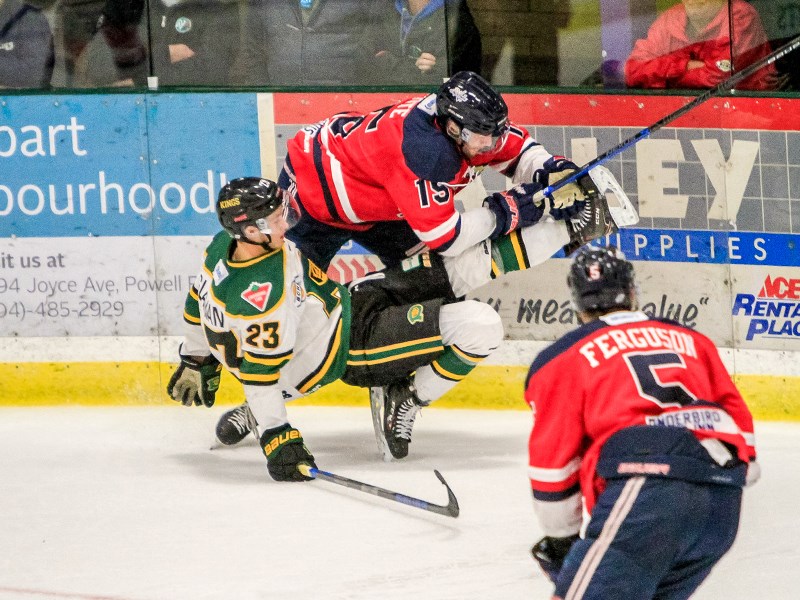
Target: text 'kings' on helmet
column 601, row 279
column 247, row 201
column 473, row 103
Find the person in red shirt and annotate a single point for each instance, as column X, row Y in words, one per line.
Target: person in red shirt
column 637, row 419
column 689, row 46
column 387, row 179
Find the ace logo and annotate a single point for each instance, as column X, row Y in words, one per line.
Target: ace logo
column 257, row 294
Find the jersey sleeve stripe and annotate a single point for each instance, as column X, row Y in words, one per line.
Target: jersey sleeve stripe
column 341, row 190
column 191, row 318
column 440, row 231
column 269, row 361
column 323, row 180
column 557, row 496
column 259, row 378
column 554, row 475
column 330, row 356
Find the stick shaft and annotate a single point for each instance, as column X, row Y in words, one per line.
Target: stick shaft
column 450, row 510
column 729, row 83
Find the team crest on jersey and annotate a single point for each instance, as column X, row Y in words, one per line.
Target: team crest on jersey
column 724, row 65
column 220, row 272
column 416, row 314
column 257, row 294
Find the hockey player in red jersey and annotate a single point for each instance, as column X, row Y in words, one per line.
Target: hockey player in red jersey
column 638, row 419
column 387, row 179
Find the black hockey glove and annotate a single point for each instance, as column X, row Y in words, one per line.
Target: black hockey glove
column 550, row 553
column 514, row 208
column 285, row 450
column 195, row 382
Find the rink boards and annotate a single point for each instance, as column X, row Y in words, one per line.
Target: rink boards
column 106, row 202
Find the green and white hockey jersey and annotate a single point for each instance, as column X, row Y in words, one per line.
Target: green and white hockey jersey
column 276, row 322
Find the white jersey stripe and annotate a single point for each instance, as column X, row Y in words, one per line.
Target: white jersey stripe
column 591, row 561
column 554, row 475
column 341, row 190
column 437, row 232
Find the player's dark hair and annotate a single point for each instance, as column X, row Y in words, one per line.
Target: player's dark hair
column 601, row 280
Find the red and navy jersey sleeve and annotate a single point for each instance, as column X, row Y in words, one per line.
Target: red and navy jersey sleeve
column 555, row 390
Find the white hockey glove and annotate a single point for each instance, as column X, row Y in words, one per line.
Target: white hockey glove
column 195, row 382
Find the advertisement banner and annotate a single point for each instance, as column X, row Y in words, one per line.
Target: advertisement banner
column 106, row 202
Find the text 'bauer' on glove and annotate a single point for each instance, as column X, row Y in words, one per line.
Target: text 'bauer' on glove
column 514, row 208
column 550, row 553
column 285, row 450
column 195, row 381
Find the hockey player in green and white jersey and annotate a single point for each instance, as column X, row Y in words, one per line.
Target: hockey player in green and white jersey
column 275, row 321
column 272, row 318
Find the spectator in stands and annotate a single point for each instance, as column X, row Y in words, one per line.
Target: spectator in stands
column 118, row 21
column 194, row 42
column 436, row 38
column 26, row 46
column 689, row 46
column 310, row 42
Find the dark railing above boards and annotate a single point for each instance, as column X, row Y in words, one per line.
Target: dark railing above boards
column 574, row 45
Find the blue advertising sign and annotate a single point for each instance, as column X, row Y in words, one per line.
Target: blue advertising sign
column 121, row 165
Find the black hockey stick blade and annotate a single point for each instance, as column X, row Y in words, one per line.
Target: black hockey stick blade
column 449, row 510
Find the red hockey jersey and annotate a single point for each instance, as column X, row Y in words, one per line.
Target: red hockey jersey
column 392, row 164
column 622, row 370
column 659, row 61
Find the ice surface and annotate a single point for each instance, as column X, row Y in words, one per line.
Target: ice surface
column 129, row 504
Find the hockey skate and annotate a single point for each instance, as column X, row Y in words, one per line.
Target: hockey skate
column 603, row 214
column 234, row 425
column 394, row 410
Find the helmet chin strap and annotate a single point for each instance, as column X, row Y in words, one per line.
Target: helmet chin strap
column 264, row 245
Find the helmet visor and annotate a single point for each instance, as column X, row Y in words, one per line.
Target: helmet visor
column 480, row 142
column 282, row 219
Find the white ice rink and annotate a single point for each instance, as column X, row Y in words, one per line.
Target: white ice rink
column 130, row 504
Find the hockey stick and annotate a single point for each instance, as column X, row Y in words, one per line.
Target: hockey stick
column 449, row 510
column 647, row 131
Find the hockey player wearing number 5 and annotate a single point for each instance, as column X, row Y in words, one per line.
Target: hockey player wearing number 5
column 649, row 431
column 387, row 179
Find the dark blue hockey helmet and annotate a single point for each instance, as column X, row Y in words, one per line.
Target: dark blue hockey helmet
column 473, row 104
column 600, row 280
